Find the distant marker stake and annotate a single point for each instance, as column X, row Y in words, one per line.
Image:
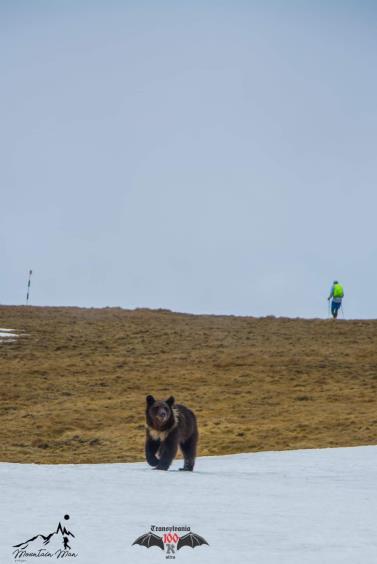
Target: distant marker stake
column 28, row 287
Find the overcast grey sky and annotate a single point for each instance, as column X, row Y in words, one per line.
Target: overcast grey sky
column 206, row 157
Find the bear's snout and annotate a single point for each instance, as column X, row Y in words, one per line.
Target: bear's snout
column 162, row 414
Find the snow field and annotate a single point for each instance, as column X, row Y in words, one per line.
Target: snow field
column 309, row 506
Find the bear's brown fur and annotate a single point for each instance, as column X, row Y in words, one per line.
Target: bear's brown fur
column 170, row 425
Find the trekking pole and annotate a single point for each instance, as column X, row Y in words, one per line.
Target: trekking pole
column 328, row 309
column 341, row 307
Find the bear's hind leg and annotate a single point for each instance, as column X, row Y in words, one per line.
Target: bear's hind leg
column 188, row 449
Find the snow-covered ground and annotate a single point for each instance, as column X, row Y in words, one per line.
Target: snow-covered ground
column 309, row 506
column 7, row 334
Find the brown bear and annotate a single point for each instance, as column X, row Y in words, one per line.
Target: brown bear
column 170, row 425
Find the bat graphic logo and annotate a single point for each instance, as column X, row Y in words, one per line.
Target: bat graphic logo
column 191, row 539
column 148, row 540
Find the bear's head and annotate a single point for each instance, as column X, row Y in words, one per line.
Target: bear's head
column 159, row 413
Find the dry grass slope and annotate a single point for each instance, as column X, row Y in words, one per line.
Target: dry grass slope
column 73, row 389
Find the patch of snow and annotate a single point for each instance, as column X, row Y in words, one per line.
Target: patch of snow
column 293, row 507
column 7, row 334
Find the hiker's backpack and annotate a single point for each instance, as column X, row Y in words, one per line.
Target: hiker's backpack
column 338, row 291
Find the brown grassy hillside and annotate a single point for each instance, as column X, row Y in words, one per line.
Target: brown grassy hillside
column 73, row 389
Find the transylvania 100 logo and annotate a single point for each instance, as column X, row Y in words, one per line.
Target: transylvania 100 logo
column 171, row 540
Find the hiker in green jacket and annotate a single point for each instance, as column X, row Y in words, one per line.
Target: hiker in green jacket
column 337, row 294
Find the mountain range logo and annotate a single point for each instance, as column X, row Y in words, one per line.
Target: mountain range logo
column 54, row 545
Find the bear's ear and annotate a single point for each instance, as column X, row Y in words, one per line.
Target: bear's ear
column 170, row 401
column 150, row 400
